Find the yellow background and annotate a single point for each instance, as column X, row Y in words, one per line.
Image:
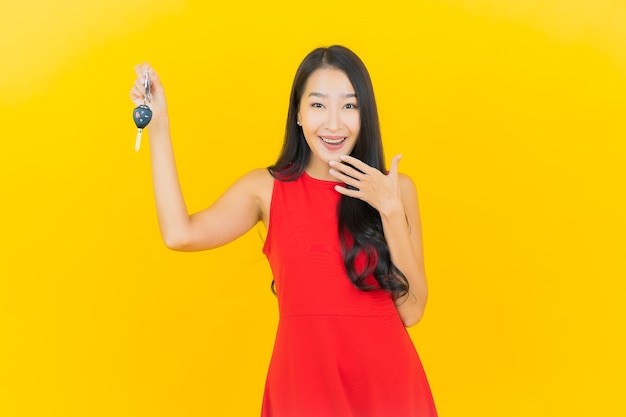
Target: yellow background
column 510, row 116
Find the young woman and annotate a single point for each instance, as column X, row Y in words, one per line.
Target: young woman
column 344, row 244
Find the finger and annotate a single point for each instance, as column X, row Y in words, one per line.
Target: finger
column 139, row 85
column 346, row 191
column 346, row 169
column 344, row 178
column 136, row 96
column 393, row 169
column 154, row 78
column 156, row 87
column 137, row 92
column 357, row 163
column 140, row 70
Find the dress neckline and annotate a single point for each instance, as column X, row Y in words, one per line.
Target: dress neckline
column 320, row 181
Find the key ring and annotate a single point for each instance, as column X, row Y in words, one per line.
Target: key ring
column 146, row 85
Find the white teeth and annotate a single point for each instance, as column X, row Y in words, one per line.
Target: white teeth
column 333, row 142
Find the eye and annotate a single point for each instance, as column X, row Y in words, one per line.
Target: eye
column 317, row 105
column 351, row 106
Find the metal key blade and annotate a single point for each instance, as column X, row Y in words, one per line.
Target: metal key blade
column 138, row 140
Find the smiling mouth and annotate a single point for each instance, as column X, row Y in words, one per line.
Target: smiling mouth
column 333, row 141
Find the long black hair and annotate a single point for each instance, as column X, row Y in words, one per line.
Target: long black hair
column 360, row 227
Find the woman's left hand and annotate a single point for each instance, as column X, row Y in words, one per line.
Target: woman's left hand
column 370, row 185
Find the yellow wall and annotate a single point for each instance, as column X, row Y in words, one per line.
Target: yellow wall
column 510, row 115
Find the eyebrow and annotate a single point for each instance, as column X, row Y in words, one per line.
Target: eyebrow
column 348, row 95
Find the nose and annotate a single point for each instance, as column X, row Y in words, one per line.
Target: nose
column 333, row 119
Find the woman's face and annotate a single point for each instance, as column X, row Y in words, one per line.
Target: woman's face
column 330, row 119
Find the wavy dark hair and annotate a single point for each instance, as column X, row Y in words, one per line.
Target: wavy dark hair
column 360, row 227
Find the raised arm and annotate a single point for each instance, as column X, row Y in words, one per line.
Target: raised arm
column 235, row 212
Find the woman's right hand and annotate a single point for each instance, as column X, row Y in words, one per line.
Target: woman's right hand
column 158, row 103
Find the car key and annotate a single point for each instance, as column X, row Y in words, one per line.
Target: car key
column 142, row 114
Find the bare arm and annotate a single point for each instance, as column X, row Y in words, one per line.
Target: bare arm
column 395, row 198
column 234, row 213
column 403, row 232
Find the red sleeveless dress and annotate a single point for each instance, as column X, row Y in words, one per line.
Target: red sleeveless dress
column 339, row 351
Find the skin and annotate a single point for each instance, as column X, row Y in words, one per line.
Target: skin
column 328, row 111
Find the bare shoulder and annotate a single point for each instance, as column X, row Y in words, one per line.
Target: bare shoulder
column 260, row 183
column 258, row 177
column 408, row 192
column 407, row 187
